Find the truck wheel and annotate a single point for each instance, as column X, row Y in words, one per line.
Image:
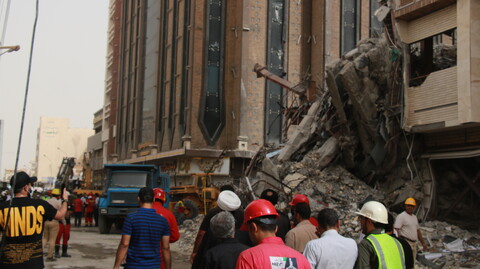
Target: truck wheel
column 104, row 224
column 189, row 210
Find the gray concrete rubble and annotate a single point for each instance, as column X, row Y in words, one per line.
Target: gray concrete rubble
column 351, row 147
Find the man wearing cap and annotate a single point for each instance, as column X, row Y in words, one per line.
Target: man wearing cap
column 301, row 198
column 225, row 254
column 299, row 236
column 406, row 225
column 260, row 220
column 227, row 201
column 377, row 249
column 24, row 228
column 52, row 226
column 283, row 222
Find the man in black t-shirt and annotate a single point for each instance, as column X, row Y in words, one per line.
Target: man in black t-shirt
column 22, row 240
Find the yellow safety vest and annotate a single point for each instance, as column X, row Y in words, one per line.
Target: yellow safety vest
column 389, row 251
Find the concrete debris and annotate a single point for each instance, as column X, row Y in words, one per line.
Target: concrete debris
column 188, row 233
column 444, row 56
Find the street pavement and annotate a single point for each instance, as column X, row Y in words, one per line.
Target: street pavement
column 90, row 249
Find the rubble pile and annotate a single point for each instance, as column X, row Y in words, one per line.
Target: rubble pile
column 444, row 56
column 188, row 232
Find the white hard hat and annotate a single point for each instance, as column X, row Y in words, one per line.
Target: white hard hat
column 228, row 201
column 375, row 211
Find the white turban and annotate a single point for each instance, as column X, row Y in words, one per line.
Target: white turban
column 228, row 201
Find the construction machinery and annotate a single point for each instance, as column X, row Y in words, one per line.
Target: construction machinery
column 188, row 200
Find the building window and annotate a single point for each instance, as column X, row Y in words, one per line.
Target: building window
column 163, row 72
column 173, row 72
column 376, row 26
column 150, row 83
column 432, row 54
column 212, row 114
column 350, row 21
column 275, row 52
column 185, row 67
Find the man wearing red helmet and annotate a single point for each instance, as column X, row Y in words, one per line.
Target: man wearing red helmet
column 159, row 201
column 301, row 198
column 160, row 197
column 270, row 252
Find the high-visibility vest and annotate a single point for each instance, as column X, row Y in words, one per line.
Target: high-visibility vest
column 389, row 251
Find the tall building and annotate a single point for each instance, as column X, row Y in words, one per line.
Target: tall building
column 56, row 140
column 180, row 89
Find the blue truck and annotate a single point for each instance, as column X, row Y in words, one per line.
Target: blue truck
column 123, row 181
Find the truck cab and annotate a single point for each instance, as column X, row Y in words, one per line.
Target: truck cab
column 121, row 191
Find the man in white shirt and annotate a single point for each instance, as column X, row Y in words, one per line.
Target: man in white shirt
column 406, row 225
column 331, row 250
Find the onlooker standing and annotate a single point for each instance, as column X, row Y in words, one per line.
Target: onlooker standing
column 224, row 255
column 331, row 250
column 407, row 227
column 299, row 236
column 31, row 211
column 77, row 210
column 270, row 252
column 283, row 222
column 95, row 210
column 377, row 249
column 52, row 226
column 227, row 201
column 143, row 233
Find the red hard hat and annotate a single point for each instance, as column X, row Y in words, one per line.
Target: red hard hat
column 299, row 198
column 258, row 208
column 160, row 194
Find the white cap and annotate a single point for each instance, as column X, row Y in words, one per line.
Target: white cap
column 228, row 201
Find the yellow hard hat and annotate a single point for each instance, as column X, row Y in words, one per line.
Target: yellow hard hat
column 56, row 192
column 410, row 201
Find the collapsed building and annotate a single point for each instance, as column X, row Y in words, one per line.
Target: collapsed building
column 364, row 98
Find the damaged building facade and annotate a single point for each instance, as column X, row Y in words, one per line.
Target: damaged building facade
column 441, row 72
column 180, row 91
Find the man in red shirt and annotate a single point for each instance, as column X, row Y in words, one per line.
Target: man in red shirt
column 160, row 197
column 270, row 252
column 89, row 211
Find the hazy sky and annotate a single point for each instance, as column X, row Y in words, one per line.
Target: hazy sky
column 68, row 69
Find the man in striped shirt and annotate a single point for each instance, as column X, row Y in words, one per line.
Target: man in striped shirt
column 143, row 231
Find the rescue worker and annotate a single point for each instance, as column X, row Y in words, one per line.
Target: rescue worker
column 301, row 198
column 260, row 219
column 407, row 249
column 299, row 236
column 90, row 207
column 64, row 233
column 377, row 249
column 407, row 227
column 52, row 226
column 77, row 209
column 160, row 197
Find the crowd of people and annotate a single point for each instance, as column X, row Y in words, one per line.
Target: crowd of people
column 260, row 236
